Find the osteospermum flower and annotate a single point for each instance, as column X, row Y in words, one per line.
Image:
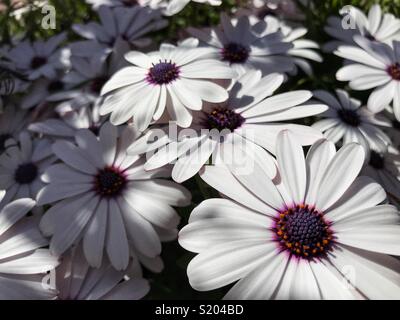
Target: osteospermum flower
column 347, row 121
column 376, row 26
column 237, row 130
column 303, row 49
column 22, row 164
column 384, row 167
column 76, row 280
column 106, row 198
column 116, row 24
column 236, row 44
column 70, row 121
column 177, row 79
column 377, row 66
column 12, row 121
column 319, row 233
column 23, row 263
column 40, row 58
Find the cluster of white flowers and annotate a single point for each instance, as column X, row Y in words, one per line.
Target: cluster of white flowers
column 98, row 135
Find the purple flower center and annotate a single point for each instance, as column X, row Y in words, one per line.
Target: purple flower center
column 376, row 160
column 223, row 118
column 26, row 173
column 394, row 71
column 97, row 84
column 303, row 232
column 55, row 86
column 235, row 53
column 37, row 62
column 351, row 117
column 109, row 182
column 163, row 72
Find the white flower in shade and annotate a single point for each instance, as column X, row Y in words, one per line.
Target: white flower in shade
column 303, row 49
column 317, row 232
column 21, row 165
column 106, row 198
column 23, row 263
column 12, row 121
column 127, row 24
column 237, row 130
column 69, row 122
column 175, row 6
column 238, row 45
column 376, row 66
column 40, row 58
column 41, row 91
column 76, row 280
column 347, row 121
column 154, row 4
column 175, row 79
column 376, row 26
column 384, row 167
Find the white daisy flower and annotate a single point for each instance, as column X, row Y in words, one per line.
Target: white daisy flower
column 303, row 49
column 177, row 79
column 21, row 165
column 154, row 4
column 106, row 198
column 376, row 26
column 41, row 91
column 384, row 167
column 377, row 66
column 237, row 130
column 12, row 121
column 23, row 263
column 127, row 24
column 347, row 121
column 238, row 45
column 317, row 232
column 76, row 280
column 41, row 58
column 69, row 123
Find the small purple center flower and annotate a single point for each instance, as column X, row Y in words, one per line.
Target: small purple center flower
column 109, row 182
column 376, row 160
column 235, row 53
column 163, row 72
column 223, row 118
column 351, row 117
column 394, row 71
column 26, row 173
column 303, row 232
column 37, row 62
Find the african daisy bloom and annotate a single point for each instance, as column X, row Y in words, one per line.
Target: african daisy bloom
column 40, row 58
column 76, row 280
column 116, row 24
column 238, row 130
column 376, row 66
column 296, row 237
column 376, row 26
column 237, row 45
column 21, row 165
column 384, row 167
column 105, row 197
column 23, row 263
column 69, row 122
column 347, row 121
column 174, row 79
column 303, row 49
